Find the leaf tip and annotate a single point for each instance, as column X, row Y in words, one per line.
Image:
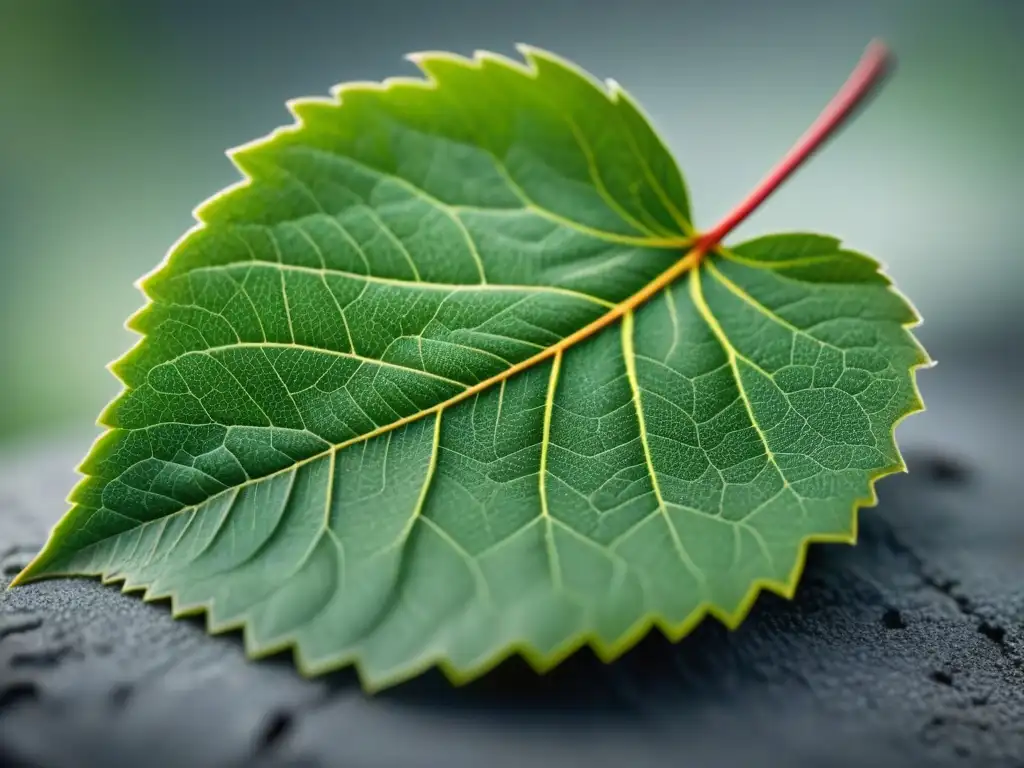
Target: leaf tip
column 34, row 571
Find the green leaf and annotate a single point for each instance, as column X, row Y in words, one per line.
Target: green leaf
column 446, row 378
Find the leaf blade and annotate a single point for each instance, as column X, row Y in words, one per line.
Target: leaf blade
column 570, row 466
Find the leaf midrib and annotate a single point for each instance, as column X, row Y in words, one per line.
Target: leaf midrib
column 690, row 261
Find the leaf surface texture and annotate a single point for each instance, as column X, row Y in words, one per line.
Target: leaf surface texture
column 397, row 402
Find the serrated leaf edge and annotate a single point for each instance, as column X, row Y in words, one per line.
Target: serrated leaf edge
column 537, row 660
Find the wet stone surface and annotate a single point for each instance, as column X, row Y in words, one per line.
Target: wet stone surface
column 907, row 649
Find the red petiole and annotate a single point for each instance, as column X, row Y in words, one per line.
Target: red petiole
column 868, row 74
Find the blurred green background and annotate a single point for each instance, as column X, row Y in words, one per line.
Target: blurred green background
column 114, row 117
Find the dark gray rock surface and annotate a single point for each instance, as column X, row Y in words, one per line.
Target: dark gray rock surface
column 906, row 649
